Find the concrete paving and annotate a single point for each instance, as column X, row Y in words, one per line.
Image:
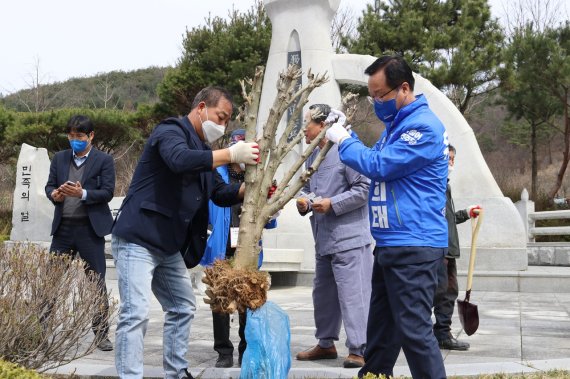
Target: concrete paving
column 518, row 333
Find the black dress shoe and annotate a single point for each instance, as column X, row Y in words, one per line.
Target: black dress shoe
column 453, row 344
column 225, row 361
column 105, row 345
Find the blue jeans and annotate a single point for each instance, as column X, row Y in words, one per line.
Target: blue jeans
column 139, row 271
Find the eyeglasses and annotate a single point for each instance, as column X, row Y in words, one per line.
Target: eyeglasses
column 378, row 99
column 76, row 135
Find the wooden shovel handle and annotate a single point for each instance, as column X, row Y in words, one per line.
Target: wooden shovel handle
column 475, row 226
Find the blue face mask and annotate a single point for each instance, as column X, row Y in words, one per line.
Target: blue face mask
column 386, row 111
column 78, row 146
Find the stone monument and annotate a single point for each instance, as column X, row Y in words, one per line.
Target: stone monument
column 301, row 31
column 32, row 212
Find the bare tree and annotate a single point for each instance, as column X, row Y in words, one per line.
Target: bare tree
column 105, row 92
column 230, row 288
column 38, row 97
column 542, row 14
column 343, row 26
column 47, row 304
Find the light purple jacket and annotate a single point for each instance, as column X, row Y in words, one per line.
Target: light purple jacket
column 346, row 225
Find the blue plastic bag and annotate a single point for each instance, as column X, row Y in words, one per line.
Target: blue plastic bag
column 268, row 336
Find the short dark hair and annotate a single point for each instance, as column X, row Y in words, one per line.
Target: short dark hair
column 80, row 124
column 396, row 69
column 452, row 148
column 319, row 112
column 211, row 96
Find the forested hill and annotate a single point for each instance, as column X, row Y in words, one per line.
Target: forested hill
column 112, row 90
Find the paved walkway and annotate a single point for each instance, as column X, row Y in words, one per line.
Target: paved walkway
column 518, row 333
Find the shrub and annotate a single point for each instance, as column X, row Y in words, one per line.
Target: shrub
column 12, row 371
column 47, row 304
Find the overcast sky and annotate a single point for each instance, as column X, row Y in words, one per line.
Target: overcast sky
column 74, row 38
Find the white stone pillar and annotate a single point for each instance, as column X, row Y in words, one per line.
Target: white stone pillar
column 32, row 213
column 298, row 25
column 502, row 239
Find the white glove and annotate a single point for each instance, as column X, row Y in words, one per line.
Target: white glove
column 244, row 152
column 336, row 116
column 337, row 133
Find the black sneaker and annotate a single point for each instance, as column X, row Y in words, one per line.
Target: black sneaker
column 225, row 361
column 188, row 375
column 105, row 345
column 453, row 344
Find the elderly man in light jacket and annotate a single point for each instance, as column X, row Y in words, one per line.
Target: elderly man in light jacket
column 339, row 218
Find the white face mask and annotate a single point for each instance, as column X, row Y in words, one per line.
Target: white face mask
column 212, row 131
column 450, row 170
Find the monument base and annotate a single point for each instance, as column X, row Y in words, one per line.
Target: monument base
column 495, row 259
column 549, row 254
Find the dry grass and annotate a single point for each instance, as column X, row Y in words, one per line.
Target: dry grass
column 513, row 181
column 125, row 163
column 552, row 374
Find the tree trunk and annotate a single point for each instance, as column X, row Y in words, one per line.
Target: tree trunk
column 566, row 155
column 534, row 162
column 241, row 285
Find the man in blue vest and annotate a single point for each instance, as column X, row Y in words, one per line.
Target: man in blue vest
column 408, row 172
column 162, row 227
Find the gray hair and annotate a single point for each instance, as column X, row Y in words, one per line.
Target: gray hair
column 319, row 112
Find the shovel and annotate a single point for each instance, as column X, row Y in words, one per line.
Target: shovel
column 468, row 314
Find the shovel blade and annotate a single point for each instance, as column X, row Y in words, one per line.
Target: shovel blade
column 468, row 315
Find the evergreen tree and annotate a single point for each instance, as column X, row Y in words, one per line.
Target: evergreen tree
column 529, row 101
column 222, row 53
column 456, row 44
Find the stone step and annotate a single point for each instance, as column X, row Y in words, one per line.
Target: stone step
column 537, row 279
column 548, row 253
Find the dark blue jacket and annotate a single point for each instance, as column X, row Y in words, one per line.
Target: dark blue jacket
column 166, row 207
column 99, row 182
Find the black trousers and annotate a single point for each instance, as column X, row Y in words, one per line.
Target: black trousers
column 400, row 318
column 445, row 297
column 79, row 238
column 222, row 343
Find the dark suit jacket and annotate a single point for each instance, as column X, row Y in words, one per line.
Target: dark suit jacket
column 98, row 180
column 166, row 207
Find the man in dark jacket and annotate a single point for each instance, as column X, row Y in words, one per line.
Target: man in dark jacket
column 81, row 183
column 447, row 288
column 162, row 224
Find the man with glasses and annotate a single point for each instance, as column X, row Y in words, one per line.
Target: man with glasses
column 81, row 183
column 408, row 172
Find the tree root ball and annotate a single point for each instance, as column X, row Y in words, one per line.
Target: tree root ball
column 232, row 289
